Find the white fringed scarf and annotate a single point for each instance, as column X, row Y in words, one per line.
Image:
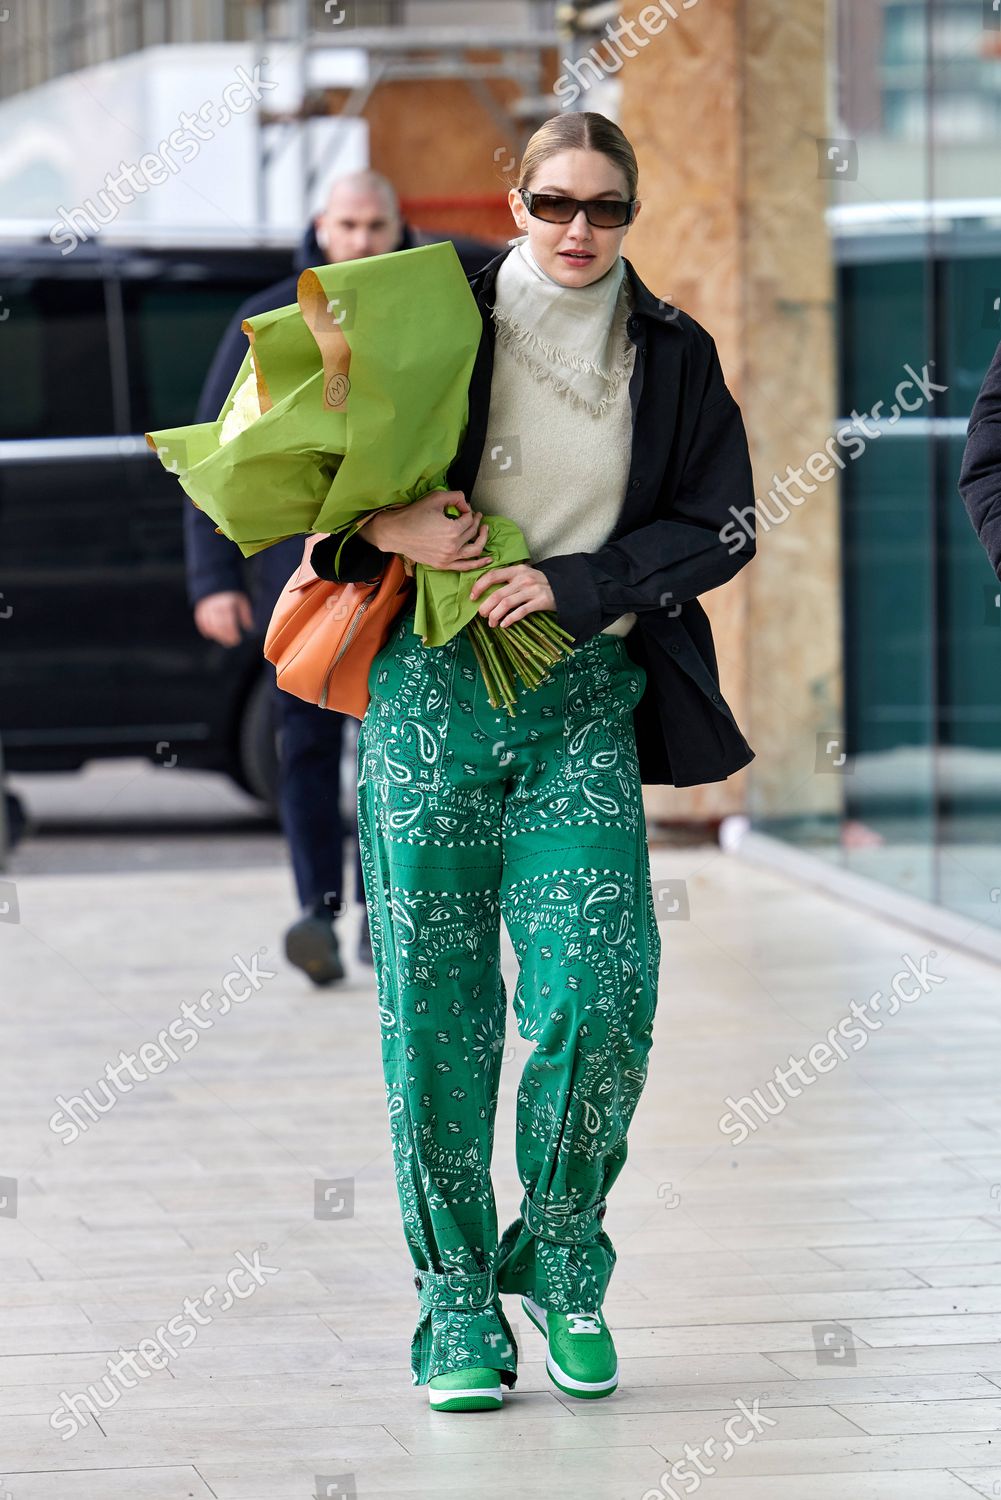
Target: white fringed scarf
column 573, row 338
column 559, row 429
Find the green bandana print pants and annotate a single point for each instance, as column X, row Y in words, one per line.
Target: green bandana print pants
column 466, row 814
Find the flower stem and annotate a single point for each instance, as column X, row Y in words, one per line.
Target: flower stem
column 529, row 648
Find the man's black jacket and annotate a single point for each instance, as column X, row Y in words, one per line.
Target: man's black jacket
column 213, row 563
column 980, row 475
column 689, row 477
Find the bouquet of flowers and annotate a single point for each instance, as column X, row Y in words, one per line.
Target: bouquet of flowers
column 355, row 398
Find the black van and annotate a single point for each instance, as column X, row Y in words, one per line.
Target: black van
column 99, row 655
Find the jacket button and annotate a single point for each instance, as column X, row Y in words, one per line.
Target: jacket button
column 715, row 697
column 634, row 484
column 632, row 325
column 675, row 648
column 418, row 1283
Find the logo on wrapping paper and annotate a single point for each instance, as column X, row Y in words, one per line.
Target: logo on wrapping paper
column 337, row 389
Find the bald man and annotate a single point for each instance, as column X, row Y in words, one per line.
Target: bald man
column 361, row 218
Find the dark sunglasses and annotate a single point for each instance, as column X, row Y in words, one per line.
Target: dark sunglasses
column 602, row 213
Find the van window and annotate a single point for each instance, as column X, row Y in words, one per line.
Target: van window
column 173, row 329
column 54, row 347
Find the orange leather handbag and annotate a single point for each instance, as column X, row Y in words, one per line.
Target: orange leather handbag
column 324, row 636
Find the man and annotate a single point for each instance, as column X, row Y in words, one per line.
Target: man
column 361, row 218
column 980, row 475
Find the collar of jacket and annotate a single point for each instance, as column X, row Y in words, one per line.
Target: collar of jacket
column 652, row 432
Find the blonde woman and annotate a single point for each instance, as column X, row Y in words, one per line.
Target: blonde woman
column 599, row 420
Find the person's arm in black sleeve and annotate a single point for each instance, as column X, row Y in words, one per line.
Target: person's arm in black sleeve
column 214, row 564
column 980, row 475
column 361, row 561
column 668, row 561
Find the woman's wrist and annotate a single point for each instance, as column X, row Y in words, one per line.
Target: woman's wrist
column 372, row 531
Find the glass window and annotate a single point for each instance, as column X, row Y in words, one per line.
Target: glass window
column 175, row 315
column 174, row 331
column 54, row 343
column 921, row 809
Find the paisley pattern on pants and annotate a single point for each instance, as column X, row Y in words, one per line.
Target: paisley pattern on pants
column 467, row 815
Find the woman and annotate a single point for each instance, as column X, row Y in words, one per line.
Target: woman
column 600, row 422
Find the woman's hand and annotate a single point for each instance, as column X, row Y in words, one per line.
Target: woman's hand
column 422, row 532
column 523, row 589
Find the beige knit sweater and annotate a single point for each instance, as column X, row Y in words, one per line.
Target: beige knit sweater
column 558, row 471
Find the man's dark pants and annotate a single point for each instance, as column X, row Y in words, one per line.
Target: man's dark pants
column 310, row 746
column 309, row 758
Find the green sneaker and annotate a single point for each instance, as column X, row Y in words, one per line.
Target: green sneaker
column 581, row 1358
column 473, row 1389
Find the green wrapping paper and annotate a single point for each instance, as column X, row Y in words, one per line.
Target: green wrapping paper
column 363, row 391
column 445, row 607
column 268, row 483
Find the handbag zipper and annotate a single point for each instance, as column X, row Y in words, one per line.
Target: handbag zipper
column 363, row 606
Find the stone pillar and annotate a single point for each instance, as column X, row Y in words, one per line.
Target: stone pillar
column 724, row 106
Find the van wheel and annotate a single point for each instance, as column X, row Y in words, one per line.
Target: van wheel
column 258, row 745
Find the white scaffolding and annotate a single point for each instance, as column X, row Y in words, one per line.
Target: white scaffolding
column 396, row 52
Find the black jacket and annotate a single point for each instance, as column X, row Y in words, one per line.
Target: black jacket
column 980, row 475
column 213, row 563
column 690, row 473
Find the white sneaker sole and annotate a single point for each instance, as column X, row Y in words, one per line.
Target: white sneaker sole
column 538, row 1314
column 442, row 1398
